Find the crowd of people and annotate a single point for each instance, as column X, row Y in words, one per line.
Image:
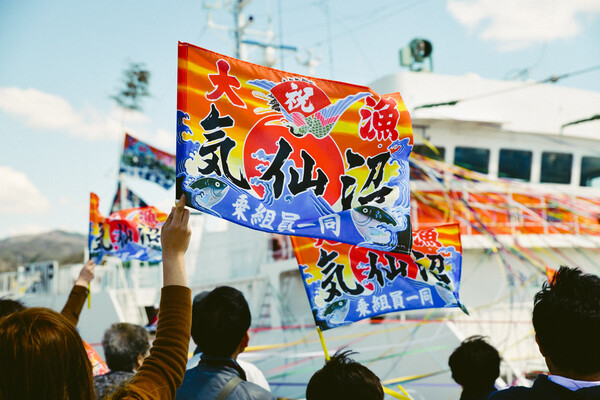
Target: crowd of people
column 42, row 355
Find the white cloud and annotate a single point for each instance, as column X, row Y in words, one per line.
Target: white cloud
column 49, row 112
column 516, row 24
column 19, row 195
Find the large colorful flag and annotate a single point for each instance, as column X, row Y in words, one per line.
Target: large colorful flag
column 290, row 154
column 130, row 199
column 147, row 162
column 131, row 234
column 347, row 283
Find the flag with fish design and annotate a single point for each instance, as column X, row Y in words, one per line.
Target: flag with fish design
column 290, row 154
column 131, row 234
column 147, row 162
column 347, row 283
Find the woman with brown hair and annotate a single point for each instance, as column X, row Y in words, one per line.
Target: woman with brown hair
column 42, row 355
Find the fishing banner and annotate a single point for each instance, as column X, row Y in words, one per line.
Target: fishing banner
column 131, row 234
column 347, row 283
column 131, row 200
column 147, row 162
column 290, row 154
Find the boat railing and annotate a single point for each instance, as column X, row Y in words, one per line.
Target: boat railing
column 485, row 208
column 111, row 275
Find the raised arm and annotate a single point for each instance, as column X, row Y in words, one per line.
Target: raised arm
column 79, row 293
column 162, row 372
column 175, row 239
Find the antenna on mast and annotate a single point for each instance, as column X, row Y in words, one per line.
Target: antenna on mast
column 240, row 31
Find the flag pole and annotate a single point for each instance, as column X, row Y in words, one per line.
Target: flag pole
column 323, row 344
column 402, row 396
column 86, row 258
column 89, row 299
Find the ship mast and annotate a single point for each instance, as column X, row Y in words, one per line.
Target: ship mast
column 241, row 32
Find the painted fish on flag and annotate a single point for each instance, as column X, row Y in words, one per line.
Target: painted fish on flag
column 293, row 155
column 147, row 162
column 131, row 234
column 347, row 283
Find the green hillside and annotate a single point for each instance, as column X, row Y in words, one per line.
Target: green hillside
column 65, row 247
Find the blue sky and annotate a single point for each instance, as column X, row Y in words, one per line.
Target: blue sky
column 61, row 134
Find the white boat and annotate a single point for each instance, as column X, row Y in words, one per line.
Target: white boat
column 532, row 172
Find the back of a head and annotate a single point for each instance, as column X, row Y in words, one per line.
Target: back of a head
column 219, row 321
column 122, row 344
column 343, row 379
column 42, row 357
column 475, row 364
column 8, row 306
column 566, row 318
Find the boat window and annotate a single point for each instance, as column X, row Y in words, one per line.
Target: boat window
column 426, row 151
column 590, row 171
column 472, row 158
column 515, row 164
column 556, row 167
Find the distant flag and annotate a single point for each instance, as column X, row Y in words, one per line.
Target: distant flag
column 130, row 234
column 132, row 200
column 347, row 283
column 99, row 367
column 147, row 162
column 290, row 154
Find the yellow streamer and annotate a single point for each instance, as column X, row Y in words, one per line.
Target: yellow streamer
column 427, row 143
column 412, row 377
column 396, row 394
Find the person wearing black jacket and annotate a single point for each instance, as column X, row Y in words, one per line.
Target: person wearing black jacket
column 566, row 318
column 475, row 366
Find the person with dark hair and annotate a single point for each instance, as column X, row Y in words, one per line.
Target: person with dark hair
column 125, row 348
column 220, row 323
column 344, row 379
column 9, row 306
column 566, row 319
column 42, row 356
column 475, row 366
column 253, row 374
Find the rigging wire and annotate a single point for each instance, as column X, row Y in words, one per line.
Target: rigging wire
column 549, row 79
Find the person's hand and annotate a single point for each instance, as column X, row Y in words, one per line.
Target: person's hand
column 86, row 275
column 175, row 239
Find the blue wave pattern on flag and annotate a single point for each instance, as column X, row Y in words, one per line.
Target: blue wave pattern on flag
column 130, row 234
column 346, row 283
column 293, row 155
